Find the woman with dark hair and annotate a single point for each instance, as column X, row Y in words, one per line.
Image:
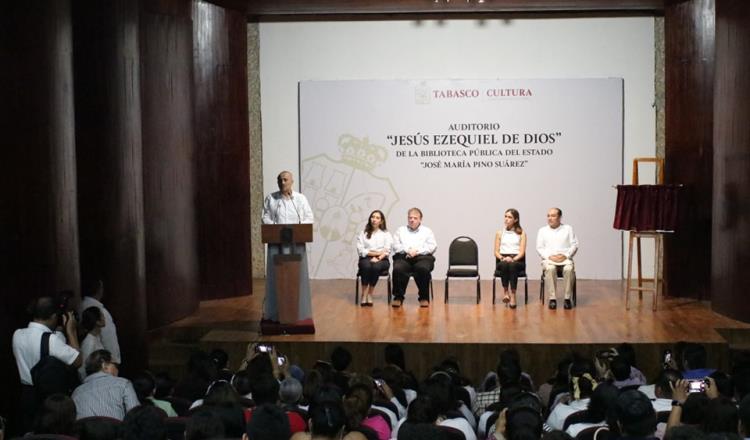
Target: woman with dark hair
column 581, row 385
column 373, row 246
column 602, row 401
column 92, row 322
column 357, row 404
column 327, row 421
column 510, row 254
column 57, row 415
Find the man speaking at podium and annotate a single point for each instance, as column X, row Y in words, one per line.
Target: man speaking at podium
column 286, row 206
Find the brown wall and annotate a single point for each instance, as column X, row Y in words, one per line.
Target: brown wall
column 689, row 52
column 222, row 151
column 166, row 59
column 39, row 239
column 109, row 156
column 731, row 190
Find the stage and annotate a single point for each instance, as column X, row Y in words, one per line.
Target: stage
column 473, row 333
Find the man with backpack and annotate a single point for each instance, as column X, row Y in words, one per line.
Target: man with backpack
column 46, row 316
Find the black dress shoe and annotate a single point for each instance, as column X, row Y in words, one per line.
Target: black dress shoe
column 552, row 304
column 567, row 304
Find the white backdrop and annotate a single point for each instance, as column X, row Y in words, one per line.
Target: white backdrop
column 586, row 47
column 462, row 151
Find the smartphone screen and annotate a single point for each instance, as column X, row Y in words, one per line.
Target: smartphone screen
column 696, row 386
column 263, row 348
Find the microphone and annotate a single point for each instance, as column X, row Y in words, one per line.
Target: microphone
column 299, row 217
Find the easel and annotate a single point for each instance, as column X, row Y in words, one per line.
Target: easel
column 637, row 235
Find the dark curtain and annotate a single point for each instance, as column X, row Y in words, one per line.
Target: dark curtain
column 647, row 207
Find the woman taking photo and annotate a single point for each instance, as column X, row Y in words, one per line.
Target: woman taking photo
column 510, row 254
column 373, row 246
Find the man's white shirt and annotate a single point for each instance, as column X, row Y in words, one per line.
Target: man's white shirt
column 281, row 210
column 561, row 240
column 422, row 239
column 27, row 343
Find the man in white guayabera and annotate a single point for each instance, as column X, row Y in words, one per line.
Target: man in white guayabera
column 556, row 243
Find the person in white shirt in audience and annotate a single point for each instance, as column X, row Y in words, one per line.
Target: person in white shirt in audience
column 582, row 385
column 373, row 246
column 413, row 247
column 92, row 321
column 556, row 244
column 93, row 295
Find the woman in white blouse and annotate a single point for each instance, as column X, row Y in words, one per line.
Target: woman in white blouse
column 92, row 322
column 373, row 246
column 510, row 254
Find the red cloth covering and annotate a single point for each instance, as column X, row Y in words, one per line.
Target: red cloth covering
column 647, row 207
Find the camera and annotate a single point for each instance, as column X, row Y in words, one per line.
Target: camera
column 263, row 348
column 379, row 383
column 697, row 385
column 667, row 358
column 281, row 360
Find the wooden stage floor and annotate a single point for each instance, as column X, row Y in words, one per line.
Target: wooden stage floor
column 600, row 317
column 474, row 333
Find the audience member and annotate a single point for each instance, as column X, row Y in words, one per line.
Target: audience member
column 695, row 362
column 721, row 416
column 635, row 415
column 201, row 372
column 581, row 386
column 220, row 359
column 204, row 424
column 95, row 428
column 602, row 401
column 57, row 415
column 265, row 390
column 340, row 360
column 357, row 404
column 46, row 317
column 144, row 423
column 269, row 422
column 92, row 322
column 145, row 388
column 93, row 294
column 102, row 393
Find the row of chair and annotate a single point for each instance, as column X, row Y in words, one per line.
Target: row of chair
column 463, row 253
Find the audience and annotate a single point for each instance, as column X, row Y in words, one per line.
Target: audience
column 265, row 400
column 93, row 294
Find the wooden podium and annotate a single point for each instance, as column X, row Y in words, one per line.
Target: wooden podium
column 287, row 277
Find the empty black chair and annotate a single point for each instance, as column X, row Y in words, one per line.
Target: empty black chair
column 573, row 295
column 463, row 252
column 521, row 274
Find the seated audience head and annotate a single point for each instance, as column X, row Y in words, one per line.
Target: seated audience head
column 144, row 385
column 57, row 415
column 508, row 373
column 101, row 361
column 620, row 368
column 220, row 358
column 327, row 420
column 311, row 385
column 164, row 385
column 265, row 389
column 523, row 423
column 327, row 393
column 627, row 351
column 602, row 399
column 260, row 364
column 439, row 389
column 357, row 403
column 635, row 414
column 421, row 410
column 222, row 393
column 394, row 355
column 96, row 428
column 340, row 358
column 144, row 422
column 269, row 422
column 421, row 431
column 721, row 416
column 724, row 383
column 201, row 366
column 694, row 356
column 694, row 409
column 204, row 424
column 242, row 383
column 581, row 376
column 91, row 318
column 665, row 382
column 290, row 391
